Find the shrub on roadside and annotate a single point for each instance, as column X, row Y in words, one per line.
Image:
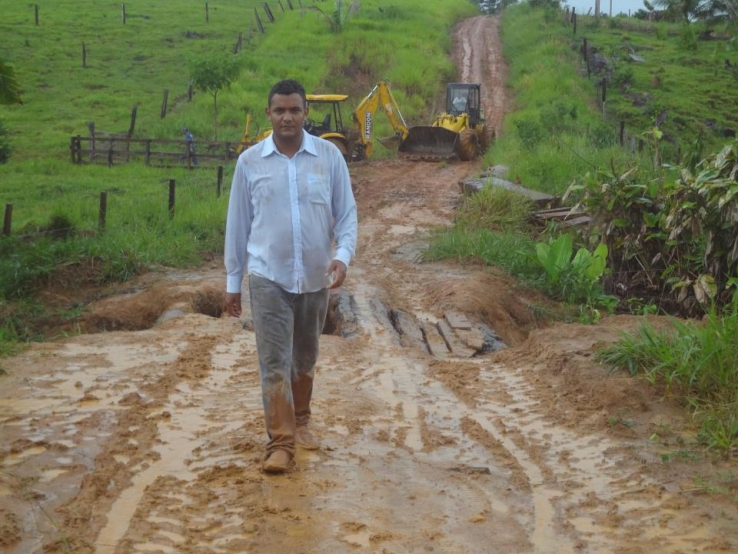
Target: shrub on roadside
column 5, row 150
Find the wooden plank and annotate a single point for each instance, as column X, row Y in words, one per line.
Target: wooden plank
column 409, row 329
column 471, row 186
column 473, row 338
column 457, row 320
column 436, row 344
column 560, row 214
column 577, row 221
column 456, row 347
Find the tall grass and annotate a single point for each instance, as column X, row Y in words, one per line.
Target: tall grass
column 696, row 359
column 490, row 229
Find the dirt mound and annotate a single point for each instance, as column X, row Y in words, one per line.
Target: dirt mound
column 142, row 309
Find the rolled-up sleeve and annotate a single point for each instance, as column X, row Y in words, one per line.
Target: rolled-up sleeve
column 238, row 228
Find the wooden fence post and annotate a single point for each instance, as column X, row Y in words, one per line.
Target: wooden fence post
column 280, row 4
column 164, row 103
column 575, row 22
column 93, row 145
column 35, row 13
column 189, row 92
column 73, row 149
column 171, row 197
column 258, row 21
column 110, row 152
column 289, row 5
column 207, row 13
column 239, row 43
column 132, row 126
column 103, row 212
column 84, row 55
column 123, row 8
column 604, row 96
column 220, row 181
column 268, row 12
column 147, row 155
column 8, row 219
column 622, row 133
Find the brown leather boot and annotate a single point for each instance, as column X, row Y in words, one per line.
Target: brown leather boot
column 305, row 439
column 277, row 462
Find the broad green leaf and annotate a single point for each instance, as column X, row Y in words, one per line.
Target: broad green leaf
column 705, row 288
column 561, row 252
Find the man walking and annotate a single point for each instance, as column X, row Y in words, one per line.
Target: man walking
column 290, row 202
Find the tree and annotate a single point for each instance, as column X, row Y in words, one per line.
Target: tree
column 685, row 10
column 214, row 74
column 9, row 90
column 721, row 10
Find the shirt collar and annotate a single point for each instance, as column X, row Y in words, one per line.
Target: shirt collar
column 308, row 145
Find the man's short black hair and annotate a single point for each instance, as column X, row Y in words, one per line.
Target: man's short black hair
column 287, row 87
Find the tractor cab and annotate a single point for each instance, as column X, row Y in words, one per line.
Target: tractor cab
column 325, row 114
column 464, row 98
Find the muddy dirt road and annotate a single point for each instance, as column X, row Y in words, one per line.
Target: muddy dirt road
column 150, row 439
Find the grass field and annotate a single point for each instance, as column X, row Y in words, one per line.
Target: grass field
column 132, row 64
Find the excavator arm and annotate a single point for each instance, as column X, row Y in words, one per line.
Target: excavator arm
column 363, row 117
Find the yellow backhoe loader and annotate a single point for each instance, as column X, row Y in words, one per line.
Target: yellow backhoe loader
column 458, row 132
column 355, row 141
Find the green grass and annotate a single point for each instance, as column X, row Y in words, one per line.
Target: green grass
column 693, row 85
column 555, row 132
column 513, row 252
column 132, row 64
column 698, row 360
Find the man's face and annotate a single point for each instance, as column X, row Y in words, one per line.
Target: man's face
column 287, row 114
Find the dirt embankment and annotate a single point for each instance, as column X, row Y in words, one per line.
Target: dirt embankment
column 149, row 438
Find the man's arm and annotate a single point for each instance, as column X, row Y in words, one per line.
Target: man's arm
column 238, row 229
column 343, row 207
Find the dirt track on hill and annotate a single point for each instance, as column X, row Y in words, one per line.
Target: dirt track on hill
column 149, row 438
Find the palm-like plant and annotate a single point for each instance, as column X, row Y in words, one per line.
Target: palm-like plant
column 685, row 10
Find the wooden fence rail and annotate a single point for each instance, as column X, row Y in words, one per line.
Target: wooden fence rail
column 115, row 150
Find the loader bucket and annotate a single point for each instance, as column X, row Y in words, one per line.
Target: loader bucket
column 434, row 141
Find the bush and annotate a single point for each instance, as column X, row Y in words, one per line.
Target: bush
column 688, row 38
column 530, row 132
column 4, row 144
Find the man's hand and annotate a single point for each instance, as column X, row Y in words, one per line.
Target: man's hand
column 338, row 270
column 233, row 304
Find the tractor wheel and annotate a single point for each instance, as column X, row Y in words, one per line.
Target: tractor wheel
column 341, row 146
column 468, row 145
column 486, row 137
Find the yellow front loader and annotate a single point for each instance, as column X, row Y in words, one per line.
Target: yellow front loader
column 458, row 132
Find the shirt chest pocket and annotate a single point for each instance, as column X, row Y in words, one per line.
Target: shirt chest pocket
column 319, row 191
